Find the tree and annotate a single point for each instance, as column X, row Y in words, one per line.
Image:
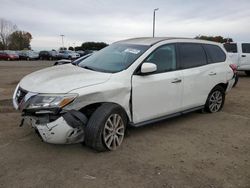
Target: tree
column 20, row 40
column 6, row 29
column 91, row 46
column 71, row 48
column 219, row 39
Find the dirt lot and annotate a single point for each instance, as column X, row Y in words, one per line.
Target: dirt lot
column 195, row 150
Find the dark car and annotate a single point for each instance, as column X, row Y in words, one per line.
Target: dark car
column 75, row 62
column 28, row 55
column 8, row 55
column 48, row 55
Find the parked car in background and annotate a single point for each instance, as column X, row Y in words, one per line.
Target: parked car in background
column 8, row 55
column 48, row 55
column 68, row 54
column 239, row 54
column 28, row 55
column 132, row 82
column 85, row 52
column 75, row 62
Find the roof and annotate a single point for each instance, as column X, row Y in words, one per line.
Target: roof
column 150, row 41
column 146, row 40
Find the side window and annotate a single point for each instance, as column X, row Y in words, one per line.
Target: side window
column 215, row 53
column 192, row 55
column 231, row 47
column 245, row 48
column 164, row 57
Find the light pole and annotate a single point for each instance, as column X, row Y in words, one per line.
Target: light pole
column 62, row 41
column 154, row 21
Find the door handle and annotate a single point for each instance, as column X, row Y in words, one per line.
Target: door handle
column 176, row 80
column 212, row 74
column 243, row 55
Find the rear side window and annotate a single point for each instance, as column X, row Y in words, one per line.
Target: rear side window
column 231, row 47
column 215, row 53
column 245, row 47
column 191, row 55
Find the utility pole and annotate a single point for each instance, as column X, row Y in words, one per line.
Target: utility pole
column 62, row 41
column 154, row 21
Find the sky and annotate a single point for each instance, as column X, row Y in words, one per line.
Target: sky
column 112, row 20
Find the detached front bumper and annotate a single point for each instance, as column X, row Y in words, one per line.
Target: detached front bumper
column 67, row 129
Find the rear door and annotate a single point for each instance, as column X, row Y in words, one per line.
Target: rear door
column 159, row 93
column 245, row 56
column 199, row 77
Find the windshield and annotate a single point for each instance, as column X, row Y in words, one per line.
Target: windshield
column 114, row 58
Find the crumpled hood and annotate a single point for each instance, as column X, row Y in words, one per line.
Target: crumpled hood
column 62, row 79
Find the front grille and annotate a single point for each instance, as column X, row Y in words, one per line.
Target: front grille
column 20, row 94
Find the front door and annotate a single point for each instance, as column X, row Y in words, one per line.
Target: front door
column 159, row 93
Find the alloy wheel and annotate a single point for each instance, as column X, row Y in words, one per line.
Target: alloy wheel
column 113, row 132
column 215, row 101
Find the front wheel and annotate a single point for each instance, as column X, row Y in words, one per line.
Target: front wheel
column 215, row 100
column 106, row 128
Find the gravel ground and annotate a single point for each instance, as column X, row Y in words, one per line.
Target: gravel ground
column 194, row 150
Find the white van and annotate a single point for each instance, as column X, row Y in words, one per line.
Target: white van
column 239, row 54
column 132, row 82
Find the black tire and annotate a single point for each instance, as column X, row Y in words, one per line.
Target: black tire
column 70, row 57
column 95, row 132
column 208, row 106
column 50, row 58
column 236, row 80
column 247, row 73
column 28, row 58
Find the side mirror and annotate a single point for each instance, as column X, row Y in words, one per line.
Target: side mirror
column 148, row 68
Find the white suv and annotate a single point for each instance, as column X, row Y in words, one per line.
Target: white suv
column 132, row 82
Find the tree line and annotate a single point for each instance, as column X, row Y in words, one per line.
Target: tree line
column 11, row 38
column 219, row 39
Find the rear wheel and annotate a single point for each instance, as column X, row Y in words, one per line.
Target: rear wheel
column 215, row 100
column 247, row 73
column 106, row 128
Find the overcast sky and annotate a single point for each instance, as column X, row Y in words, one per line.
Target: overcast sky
column 112, row 20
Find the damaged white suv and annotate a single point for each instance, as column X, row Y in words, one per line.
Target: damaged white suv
column 131, row 82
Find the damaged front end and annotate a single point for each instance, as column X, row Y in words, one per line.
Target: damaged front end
column 46, row 115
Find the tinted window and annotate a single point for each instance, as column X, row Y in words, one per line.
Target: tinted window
column 192, row 55
column 231, row 47
column 164, row 57
column 215, row 53
column 246, row 48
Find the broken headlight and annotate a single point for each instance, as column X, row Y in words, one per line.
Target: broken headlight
column 50, row 101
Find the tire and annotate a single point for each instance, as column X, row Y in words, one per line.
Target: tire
column 70, row 57
column 215, row 100
column 50, row 58
column 28, row 58
column 236, row 80
column 100, row 134
column 8, row 59
column 247, row 73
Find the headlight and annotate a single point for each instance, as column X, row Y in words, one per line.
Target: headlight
column 50, row 101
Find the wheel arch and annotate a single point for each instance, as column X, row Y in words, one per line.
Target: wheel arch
column 91, row 108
